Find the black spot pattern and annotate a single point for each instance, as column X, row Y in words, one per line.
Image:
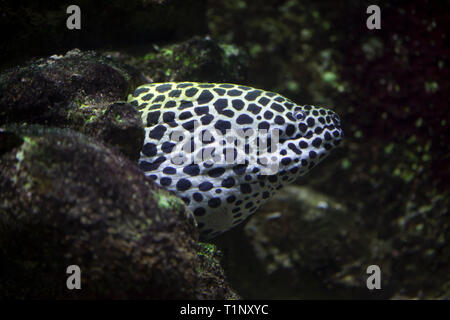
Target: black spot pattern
column 191, row 92
column 236, row 190
column 317, row 142
column 205, row 97
column 149, row 149
column 253, row 108
column 201, row 110
column 159, row 98
column 268, row 115
column 185, row 105
column 192, row 169
column 219, row 91
column 238, row 104
column 189, row 125
column 170, row 104
column 244, row 119
column 164, row 87
column 228, row 182
column 169, row 117
column 303, row 144
column 234, row 92
column 279, row 120
column 183, row 184
column 151, row 166
column 205, row 186
column 222, row 125
column 277, row 107
column 290, row 129
column 140, row 91
column 252, row 95
column 152, row 118
column 169, row 170
column 264, row 125
column 197, row 196
column 166, row 181
column 174, row 93
column 239, row 169
column 302, row 127
column 184, row 85
column 185, row 115
column 158, row 132
column 148, row 97
column 216, row 172
column 207, row 119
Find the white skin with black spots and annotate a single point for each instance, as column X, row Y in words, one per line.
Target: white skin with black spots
column 223, row 192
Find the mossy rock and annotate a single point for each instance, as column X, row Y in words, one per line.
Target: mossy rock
column 79, row 90
column 200, row 59
column 68, row 200
column 44, row 91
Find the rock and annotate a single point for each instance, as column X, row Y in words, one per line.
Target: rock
column 70, row 195
column 78, row 90
column 212, row 274
column 197, row 59
column 46, row 90
column 65, row 199
column 118, row 124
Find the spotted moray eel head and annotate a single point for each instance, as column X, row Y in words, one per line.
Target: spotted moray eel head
column 214, row 167
column 307, row 137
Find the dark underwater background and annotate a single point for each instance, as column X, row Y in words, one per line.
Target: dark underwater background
column 382, row 198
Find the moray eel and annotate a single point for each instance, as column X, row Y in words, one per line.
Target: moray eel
column 191, row 129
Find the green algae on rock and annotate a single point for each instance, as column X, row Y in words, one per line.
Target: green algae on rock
column 118, row 125
column 212, row 271
column 79, row 90
column 45, row 90
column 198, row 59
column 68, row 200
column 166, row 200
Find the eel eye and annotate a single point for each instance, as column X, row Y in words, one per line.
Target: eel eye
column 299, row 115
